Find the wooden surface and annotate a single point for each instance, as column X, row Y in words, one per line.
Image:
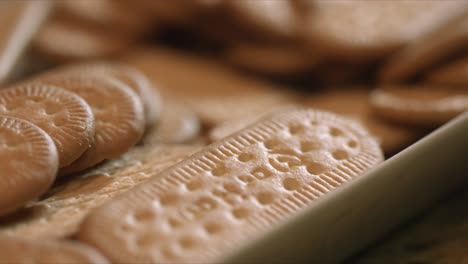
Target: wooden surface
column 438, row 236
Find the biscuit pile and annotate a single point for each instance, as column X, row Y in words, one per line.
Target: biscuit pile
column 90, row 113
column 157, row 131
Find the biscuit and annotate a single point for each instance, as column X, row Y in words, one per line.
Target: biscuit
column 19, row 21
column 428, row 50
column 29, row 163
column 354, row 103
column 118, row 115
column 107, row 14
column 270, row 59
column 62, row 209
column 65, row 116
column 269, row 18
column 233, row 191
column 130, row 76
column 62, row 40
column 452, row 74
column 178, row 124
column 18, row 250
column 365, row 31
column 420, row 106
column 214, row 91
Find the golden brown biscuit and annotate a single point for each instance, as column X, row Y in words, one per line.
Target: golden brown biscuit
column 361, row 31
column 107, row 14
column 19, row 21
column 452, row 74
column 419, row 105
column 65, row 40
column 428, row 50
column 118, row 115
column 19, row 250
column 28, row 163
column 215, row 92
column 63, row 115
column 354, row 103
column 270, row 58
column 60, row 212
column 127, row 74
column 269, row 18
column 233, row 191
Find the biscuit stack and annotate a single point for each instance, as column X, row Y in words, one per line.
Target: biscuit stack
column 76, row 119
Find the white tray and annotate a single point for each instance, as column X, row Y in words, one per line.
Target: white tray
column 352, row 217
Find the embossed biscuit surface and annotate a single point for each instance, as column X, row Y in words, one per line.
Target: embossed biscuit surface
column 65, row 116
column 28, row 163
column 232, row 191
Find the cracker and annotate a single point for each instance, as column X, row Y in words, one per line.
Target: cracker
column 17, row 250
column 428, row 50
column 233, row 191
column 452, row 74
column 178, row 124
column 363, row 31
column 19, row 21
column 64, row 206
column 118, row 115
column 354, row 103
column 419, row 105
column 65, row 116
column 215, row 92
column 28, row 163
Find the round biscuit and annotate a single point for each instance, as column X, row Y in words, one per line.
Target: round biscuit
column 118, row 115
column 127, row 74
column 419, row 106
column 28, row 163
column 63, row 40
column 365, row 31
column 65, row 116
